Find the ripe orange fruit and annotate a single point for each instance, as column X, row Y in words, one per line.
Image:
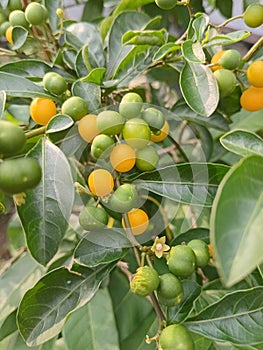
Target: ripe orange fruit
column 215, row 59
column 8, row 34
column 252, row 99
column 100, row 182
column 87, row 127
column 42, row 110
column 255, row 74
column 122, row 157
column 164, row 132
column 138, row 221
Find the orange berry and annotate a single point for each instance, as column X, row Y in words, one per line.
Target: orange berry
column 8, row 34
column 138, row 221
column 87, row 127
column 122, row 158
column 255, row 74
column 164, row 132
column 252, row 99
column 215, row 59
column 100, row 182
column 42, row 110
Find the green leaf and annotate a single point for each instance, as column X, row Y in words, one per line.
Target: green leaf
column 85, row 327
column 2, row 103
column 92, row 10
column 179, row 313
column 15, row 281
column 124, row 22
column 199, row 88
column 145, row 37
column 193, row 183
column 14, row 85
column 101, row 247
column 197, row 27
column 165, row 50
column 247, row 121
column 9, row 325
column 134, row 315
column 95, row 76
column 84, row 33
column 222, row 321
column 125, row 5
column 193, row 52
column 46, row 213
column 216, row 120
column 90, row 92
column 200, row 233
column 52, row 6
column 228, row 39
column 19, row 35
column 137, row 61
column 237, row 220
column 33, row 69
column 16, row 342
column 59, row 122
column 44, row 308
column 225, row 7
column 243, row 143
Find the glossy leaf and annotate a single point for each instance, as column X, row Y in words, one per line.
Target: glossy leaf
column 247, row 121
column 193, row 183
column 225, row 7
column 165, row 50
column 95, row 76
column 14, row 85
column 222, row 321
column 144, row 37
column 92, row 10
column 84, row 33
column 52, row 6
column 85, row 327
column 243, row 143
column 197, row 27
column 19, row 35
column 9, row 325
column 228, row 39
column 45, row 214
column 200, row 233
column 101, row 247
column 117, row 52
column 237, row 220
column 59, row 122
column 179, row 313
column 15, row 282
column 90, row 92
column 125, row 5
column 2, row 103
column 193, row 52
column 45, row 307
column 199, row 88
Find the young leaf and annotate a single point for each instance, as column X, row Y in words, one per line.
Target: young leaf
column 193, row 183
column 84, row 328
column 45, row 307
column 101, row 247
column 199, row 88
column 237, row 220
column 222, row 320
column 243, row 143
column 47, row 209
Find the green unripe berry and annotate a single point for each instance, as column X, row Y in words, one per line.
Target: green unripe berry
column 230, row 59
column 131, row 105
column 15, row 5
column 12, row 138
column 110, row 122
column 3, row 27
column 17, row 18
column 93, row 218
column 176, row 337
column 101, row 146
column 36, row 13
column 201, row 252
column 147, row 158
column 54, row 83
column 181, row 261
column 145, row 281
column 170, row 291
column 253, row 15
column 3, row 17
column 226, row 81
column 154, row 118
column 75, row 106
column 124, row 199
column 137, row 133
